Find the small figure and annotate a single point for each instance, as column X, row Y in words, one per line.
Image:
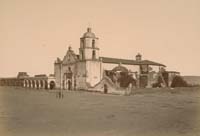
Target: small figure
column 59, row 95
column 62, row 95
column 105, row 89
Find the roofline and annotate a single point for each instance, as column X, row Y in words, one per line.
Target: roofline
column 131, row 62
column 173, row 72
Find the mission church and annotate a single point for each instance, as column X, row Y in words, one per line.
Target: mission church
column 88, row 70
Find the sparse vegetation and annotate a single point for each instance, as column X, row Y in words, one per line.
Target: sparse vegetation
column 178, row 81
column 125, row 79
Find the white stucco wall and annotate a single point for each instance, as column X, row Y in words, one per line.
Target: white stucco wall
column 88, row 42
column 81, row 75
column 93, row 72
column 88, row 53
column 57, row 74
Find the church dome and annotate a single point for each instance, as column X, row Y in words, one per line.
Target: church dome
column 89, row 34
column 120, row 68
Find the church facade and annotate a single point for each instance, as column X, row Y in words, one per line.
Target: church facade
column 86, row 70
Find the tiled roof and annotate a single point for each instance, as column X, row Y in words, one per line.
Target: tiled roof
column 175, row 72
column 129, row 62
column 148, row 62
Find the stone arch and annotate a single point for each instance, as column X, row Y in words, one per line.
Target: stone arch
column 52, row 85
column 25, row 83
column 29, row 84
column 45, row 84
column 121, row 76
column 41, row 83
column 37, row 83
column 33, row 84
column 120, row 69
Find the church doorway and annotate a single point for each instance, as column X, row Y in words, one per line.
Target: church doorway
column 69, row 85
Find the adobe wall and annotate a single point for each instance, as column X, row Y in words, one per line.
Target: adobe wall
column 93, row 72
column 81, row 75
column 57, row 73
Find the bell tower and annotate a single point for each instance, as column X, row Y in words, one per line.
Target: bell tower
column 89, row 46
column 89, row 63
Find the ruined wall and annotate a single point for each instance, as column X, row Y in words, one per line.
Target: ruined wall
column 110, row 66
column 111, row 87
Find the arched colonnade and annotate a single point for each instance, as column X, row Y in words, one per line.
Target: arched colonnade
column 39, row 83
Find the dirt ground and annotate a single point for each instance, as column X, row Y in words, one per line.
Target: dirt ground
column 153, row 112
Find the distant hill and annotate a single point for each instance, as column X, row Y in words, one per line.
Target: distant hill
column 194, row 80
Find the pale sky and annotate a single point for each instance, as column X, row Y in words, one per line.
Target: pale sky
column 33, row 33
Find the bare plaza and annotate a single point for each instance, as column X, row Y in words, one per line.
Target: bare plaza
column 147, row 113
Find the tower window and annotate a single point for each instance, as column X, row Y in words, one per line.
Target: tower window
column 93, row 43
column 93, row 54
column 82, row 53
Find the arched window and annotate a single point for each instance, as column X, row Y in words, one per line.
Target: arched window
column 82, row 55
column 93, row 54
column 93, row 43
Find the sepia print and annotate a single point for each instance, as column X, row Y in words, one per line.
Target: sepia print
column 99, row 68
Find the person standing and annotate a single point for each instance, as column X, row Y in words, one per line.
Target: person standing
column 105, row 88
